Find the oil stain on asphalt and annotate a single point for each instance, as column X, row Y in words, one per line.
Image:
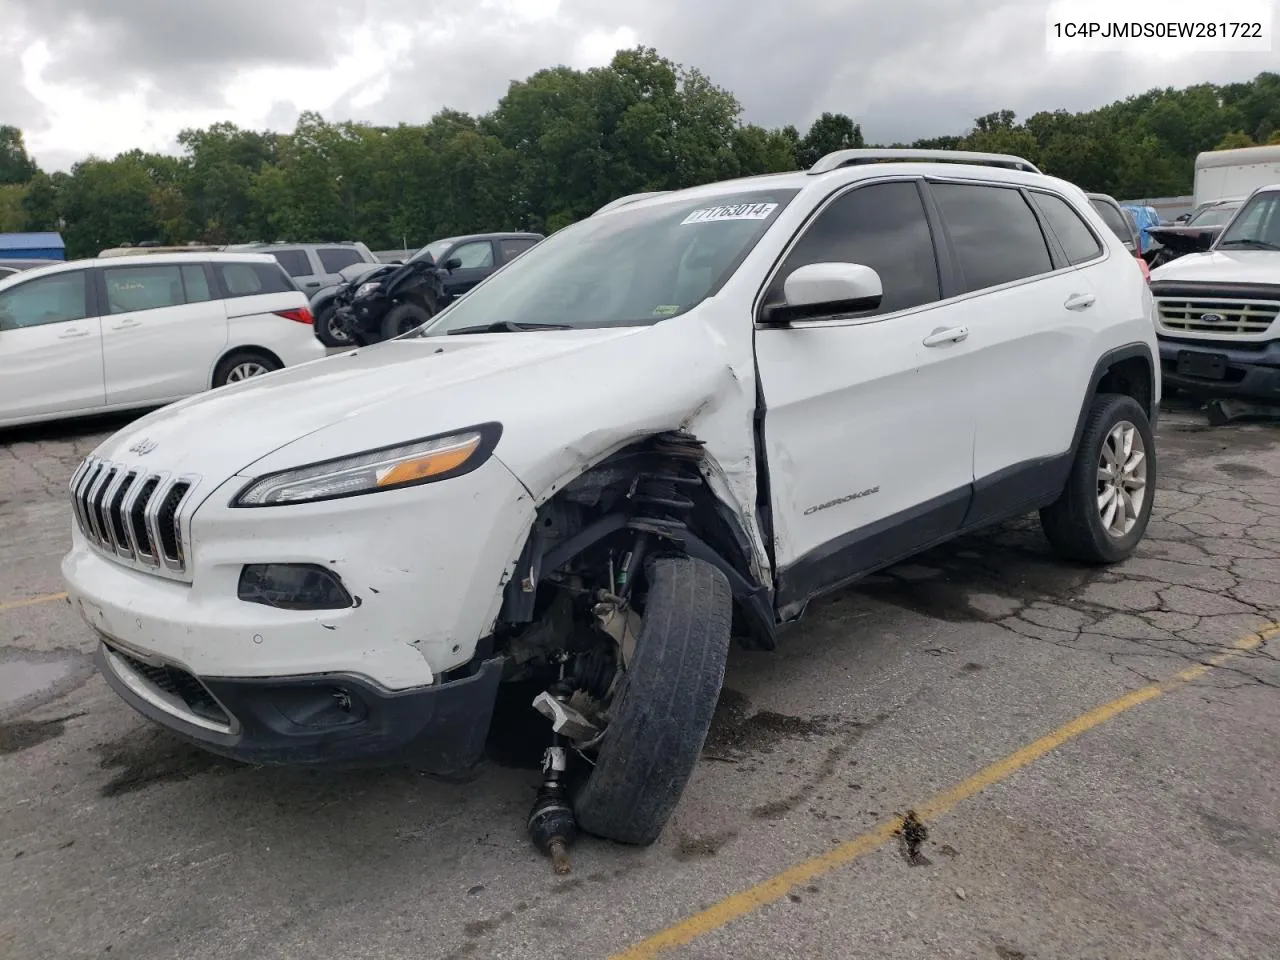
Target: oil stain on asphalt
column 151, row 756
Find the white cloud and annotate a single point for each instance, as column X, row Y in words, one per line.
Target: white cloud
column 102, row 76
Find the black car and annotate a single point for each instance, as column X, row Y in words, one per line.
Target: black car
column 468, row 260
column 377, row 303
column 1191, row 233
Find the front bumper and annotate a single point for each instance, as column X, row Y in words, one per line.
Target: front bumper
column 1218, row 369
column 330, row 719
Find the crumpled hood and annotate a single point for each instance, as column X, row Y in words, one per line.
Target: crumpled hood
column 1222, row 266
column 392, row 392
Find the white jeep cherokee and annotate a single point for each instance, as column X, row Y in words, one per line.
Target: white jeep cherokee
column 675, row 422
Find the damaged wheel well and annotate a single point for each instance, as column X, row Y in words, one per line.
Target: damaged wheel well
column 658, row 487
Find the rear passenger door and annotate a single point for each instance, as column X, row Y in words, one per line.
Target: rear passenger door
column 1032, row 313
column 161, row 329
column 477, row 262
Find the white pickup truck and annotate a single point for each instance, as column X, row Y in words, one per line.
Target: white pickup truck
column 1218, row 312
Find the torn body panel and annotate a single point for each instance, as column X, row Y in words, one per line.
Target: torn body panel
column 706, row 395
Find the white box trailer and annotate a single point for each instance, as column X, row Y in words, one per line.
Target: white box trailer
column 1235, row 173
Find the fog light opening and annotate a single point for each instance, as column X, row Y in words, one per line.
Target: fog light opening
column 293, row 586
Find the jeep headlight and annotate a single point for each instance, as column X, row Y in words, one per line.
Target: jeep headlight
column 365, row 289
column 386, row 468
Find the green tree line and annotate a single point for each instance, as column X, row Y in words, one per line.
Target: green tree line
column 556, row 147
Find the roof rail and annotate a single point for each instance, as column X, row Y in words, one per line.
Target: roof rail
column 629, row 198
column 849, row 158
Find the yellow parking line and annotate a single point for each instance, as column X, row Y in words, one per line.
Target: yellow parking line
column 775, row 888
column 31, row 601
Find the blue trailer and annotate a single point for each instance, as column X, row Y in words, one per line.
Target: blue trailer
column 32, row 246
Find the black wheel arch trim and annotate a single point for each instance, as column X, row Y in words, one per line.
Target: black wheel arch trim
column 1140, row 350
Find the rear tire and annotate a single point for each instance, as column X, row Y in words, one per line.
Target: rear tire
column 244, row 365
column 665, row 708
column 402, row 318
column 1105, row 507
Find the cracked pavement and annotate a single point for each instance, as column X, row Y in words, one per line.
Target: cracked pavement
column 1154, row 835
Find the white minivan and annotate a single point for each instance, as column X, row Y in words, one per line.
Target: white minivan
column 95, row 336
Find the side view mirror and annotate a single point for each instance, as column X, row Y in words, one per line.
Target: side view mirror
column 453, row 263
column 820, row 291
column 1182, row 218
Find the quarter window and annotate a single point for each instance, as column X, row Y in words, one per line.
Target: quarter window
column 56, row 299
column 1079, row 243
column 334, row 259
column 881, row 226
column 250, row 279
column 295, row 262
column 130, row 289
column 1112, row 217
column 996, row 235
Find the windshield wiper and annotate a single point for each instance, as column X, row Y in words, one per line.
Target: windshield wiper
column 1259, row 244
column 508, row 326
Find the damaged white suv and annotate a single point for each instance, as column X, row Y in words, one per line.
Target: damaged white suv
column 671, row 424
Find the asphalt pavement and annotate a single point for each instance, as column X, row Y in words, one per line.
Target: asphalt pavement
column 1091, row 755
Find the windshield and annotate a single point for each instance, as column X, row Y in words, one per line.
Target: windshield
column 1214, row 216
column 637, row 266
column 1256, row 225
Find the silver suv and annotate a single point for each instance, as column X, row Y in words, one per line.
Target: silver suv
column 313, row 265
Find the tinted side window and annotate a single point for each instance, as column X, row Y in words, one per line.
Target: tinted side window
column 1078, row 242
column 513, row 248
column 996, row 235
column 295, row 262
column 57, row 299
column 250, row 279
column 882, row 226
column 1112, row 218
column 472, row 255
column 334, row 259
column 143, row 288
column 196, row 282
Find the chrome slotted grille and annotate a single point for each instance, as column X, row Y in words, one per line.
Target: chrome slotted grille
column 1230, row 318
column 134, row 516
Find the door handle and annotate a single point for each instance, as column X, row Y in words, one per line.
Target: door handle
column 126, row 324
column 1080, row 301
column 946, row 335
column 73, row 334
column 312, row 283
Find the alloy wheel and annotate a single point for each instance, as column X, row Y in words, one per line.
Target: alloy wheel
column 243, row 371
column 1122, row 479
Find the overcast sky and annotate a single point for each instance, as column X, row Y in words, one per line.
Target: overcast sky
column 102, row 76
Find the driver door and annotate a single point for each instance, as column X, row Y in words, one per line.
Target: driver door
column 50, row 348
column 477, row 262
column 868, row 425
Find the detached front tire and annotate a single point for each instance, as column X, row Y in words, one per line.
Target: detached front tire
column 402, row 318
column 663, row 713
column 1105, row 508
column 329, row 329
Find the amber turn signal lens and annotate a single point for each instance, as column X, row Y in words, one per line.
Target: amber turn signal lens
column 429, row 464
